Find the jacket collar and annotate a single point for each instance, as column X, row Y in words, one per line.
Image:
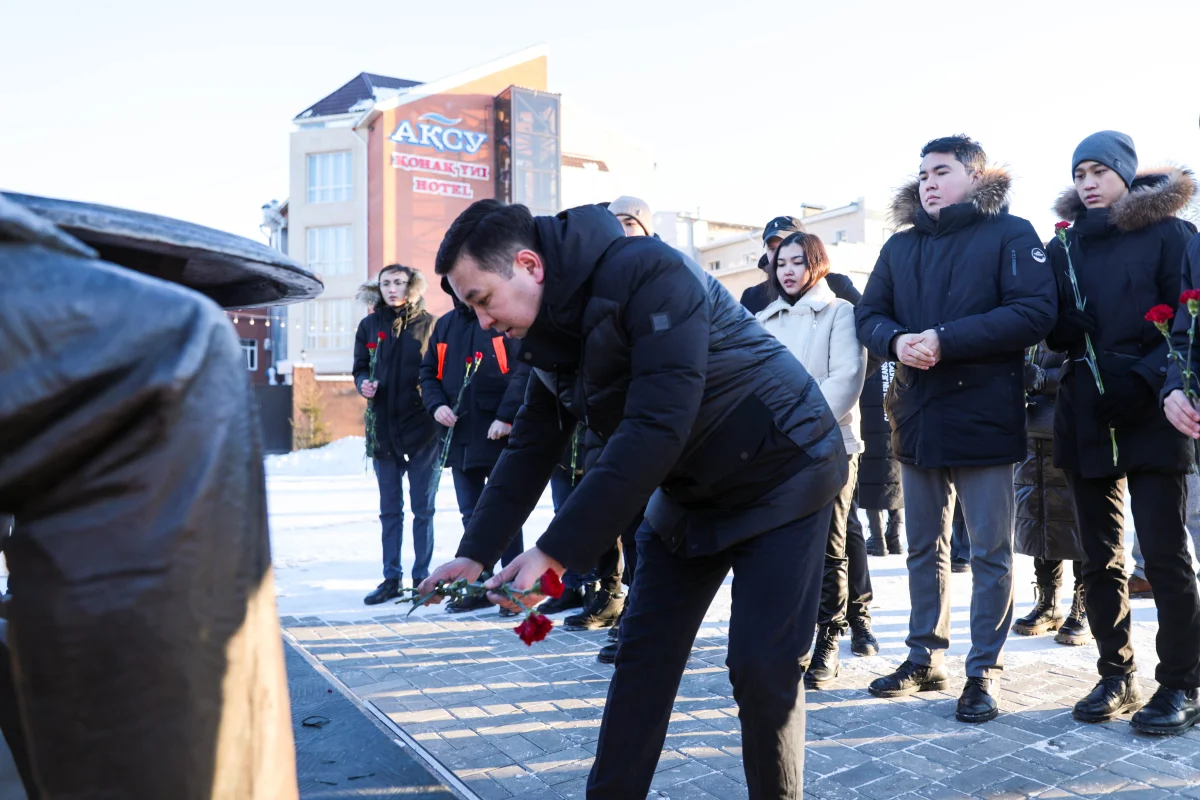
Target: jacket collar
column 990, row 198
column 1156, row 194
column 813, row 301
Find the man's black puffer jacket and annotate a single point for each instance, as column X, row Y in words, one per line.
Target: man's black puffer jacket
column 695, row 402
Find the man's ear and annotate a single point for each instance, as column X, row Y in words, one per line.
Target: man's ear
column 529, row 261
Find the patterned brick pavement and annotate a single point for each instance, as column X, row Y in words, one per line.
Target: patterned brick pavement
column 513, row 721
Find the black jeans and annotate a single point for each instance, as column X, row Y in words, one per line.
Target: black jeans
column 468, row 487
column 1048, row 572
column 776, row 589
column 846, row 584
column 1157, row 502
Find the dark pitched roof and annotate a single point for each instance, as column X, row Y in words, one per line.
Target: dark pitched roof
column 362, row 86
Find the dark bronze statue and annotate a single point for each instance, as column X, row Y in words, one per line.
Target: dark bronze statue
column 143, row 645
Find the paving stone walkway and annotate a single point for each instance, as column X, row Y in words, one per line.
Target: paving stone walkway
column 522, row 722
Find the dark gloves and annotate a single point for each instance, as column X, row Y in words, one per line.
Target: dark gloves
column 1125, row 397
column 1073, row 325
column 1035, row 378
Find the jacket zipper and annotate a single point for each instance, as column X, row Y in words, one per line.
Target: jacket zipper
column 809, row 341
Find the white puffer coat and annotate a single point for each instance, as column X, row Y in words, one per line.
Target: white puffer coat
column 819, row 330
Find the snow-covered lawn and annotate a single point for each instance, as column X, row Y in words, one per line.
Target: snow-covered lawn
column 325, row 540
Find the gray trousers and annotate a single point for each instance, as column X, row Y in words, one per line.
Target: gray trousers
column 988, row 503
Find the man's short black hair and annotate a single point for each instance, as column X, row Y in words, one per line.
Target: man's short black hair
column 489, row 232
column 968, row 151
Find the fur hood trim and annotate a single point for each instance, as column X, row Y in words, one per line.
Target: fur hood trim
column 1156, row 194
column 369, row 295
column 990, row 197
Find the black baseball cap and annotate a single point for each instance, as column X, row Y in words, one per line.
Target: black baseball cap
column 782, row 227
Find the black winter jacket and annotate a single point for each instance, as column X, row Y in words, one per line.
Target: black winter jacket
column 402, row 427
column 494, row 393
column 1127, row 259
column 879, row 486
column 978, row 276
column 695, row 402
column 1183, row 320
column 757, row 297
column 1045, row 518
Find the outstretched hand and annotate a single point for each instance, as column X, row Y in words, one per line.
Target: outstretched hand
column 458, row 569
column 522, row 572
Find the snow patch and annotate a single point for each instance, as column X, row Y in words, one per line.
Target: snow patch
column 343, row 457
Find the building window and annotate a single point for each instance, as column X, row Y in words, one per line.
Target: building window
column 250, row 351
column 714, row 265
column 329, row 179
column 330, row 250
column 839, row 236
column 330, row 324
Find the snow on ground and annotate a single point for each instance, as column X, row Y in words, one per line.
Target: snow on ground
column 324, row 508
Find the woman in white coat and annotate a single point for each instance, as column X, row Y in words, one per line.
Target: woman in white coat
column 819, row 330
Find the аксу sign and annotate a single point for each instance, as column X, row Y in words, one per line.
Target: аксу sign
column 434, row 130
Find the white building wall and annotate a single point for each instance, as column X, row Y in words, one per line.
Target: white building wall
column 303, row 215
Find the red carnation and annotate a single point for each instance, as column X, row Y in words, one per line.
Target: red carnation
column 478, row 356
column 1160, row 315
column 549, row 584
column 534, row 628
column 1190, row 296
column 470, row 361
column 371, row 345
column 1058, row 226
column 382, row 335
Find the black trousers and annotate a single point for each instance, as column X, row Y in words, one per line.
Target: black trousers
column 776, row 589
column 1157, row 502
column 1051, row 572
column 846, row 591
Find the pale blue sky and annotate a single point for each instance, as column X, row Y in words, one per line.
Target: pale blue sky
column 750, row 108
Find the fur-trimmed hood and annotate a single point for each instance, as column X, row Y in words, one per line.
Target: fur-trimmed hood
column 989, row 198
column 369, row 295
column 1156, row 194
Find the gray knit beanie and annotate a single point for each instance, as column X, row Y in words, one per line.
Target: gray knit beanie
column 1110, row 148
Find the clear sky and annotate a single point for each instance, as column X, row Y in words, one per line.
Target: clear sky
column 751, row 108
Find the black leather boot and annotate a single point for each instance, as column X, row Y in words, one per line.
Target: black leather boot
column 1076, row 631
column 608, row 653
column 1113, row 696
column 824, row 665
column 1169, row 712
column 385, row 591
column 910, row 678
column 875, row 542
column 862, row 640
column 1045, row 615
column 976, row 703
column 602, row 612
column 895, row 523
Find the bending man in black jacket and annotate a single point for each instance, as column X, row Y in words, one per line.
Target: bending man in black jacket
column 480, row 428
column 956, row 299
column 704, row 417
